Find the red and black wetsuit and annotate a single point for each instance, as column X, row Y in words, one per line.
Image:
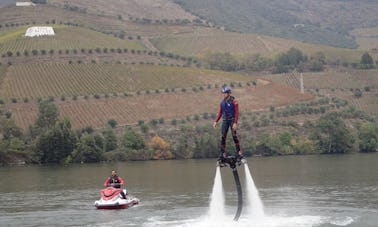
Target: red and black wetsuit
column 229, row 109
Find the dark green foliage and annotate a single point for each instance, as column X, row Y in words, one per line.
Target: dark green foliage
column 112, row 123
column 222, row 61
column 358, row 93
column 132, row 140
column 55, row 144
column 290, row 60
column 8, row 129
column 89, row 149
column 332, row 135
column 144, row 128
column 206, row 146
column 257, row 62
column 110, row 140
column 368, row 137
column 366, row 59
column 48, row 115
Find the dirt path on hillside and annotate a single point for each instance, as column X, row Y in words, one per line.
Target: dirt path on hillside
column 267, row 46
column 146, row 42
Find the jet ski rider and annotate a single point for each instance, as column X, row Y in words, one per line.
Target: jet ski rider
column 115, row 181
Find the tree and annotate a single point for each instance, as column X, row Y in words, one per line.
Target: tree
column 331, row 134
column 368, row 137
column 11, row 143
column 110, row 140
column 160, row 148
column 132, row 140
column 257, row 62
column 222, row 61
column 206, row 146
column 295, row 56
column 9, row 129
column 88, row 150
column 292, row 59
column 112, row 123
column 366, row 59
column 55, row 144
column 48, row 115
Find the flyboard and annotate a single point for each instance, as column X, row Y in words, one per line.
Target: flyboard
column 233, row 162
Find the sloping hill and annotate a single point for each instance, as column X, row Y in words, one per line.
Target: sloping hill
column 66, row 37
column 131, row 79
column 166, row 105
column 202, row 40
column 149, row 9
column 187, row 40
column 4, row 3
column 322, row 21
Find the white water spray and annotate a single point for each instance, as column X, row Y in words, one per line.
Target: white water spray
column 253, row 215
column 217, row 197
column 255, row 205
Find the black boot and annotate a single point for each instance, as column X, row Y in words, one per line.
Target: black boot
column 221, row 159
column 239, row 157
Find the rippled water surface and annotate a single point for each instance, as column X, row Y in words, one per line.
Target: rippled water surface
column 320, row 190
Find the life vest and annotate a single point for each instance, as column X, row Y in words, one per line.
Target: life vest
column 114, row 180
column 228, row 108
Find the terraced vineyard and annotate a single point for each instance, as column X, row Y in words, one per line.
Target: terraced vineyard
column 151, row 9
column 41, row 14
column 331, row 79
column 203, row 40
column 14, row 40
column 44, row 80
column 341, row 84
column 173, row 105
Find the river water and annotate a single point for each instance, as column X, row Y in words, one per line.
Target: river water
column 318, row 190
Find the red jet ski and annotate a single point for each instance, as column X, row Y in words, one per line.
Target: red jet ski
column 111, row 198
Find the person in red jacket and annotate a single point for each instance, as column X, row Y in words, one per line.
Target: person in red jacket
column 229, row 109
column 115, row 181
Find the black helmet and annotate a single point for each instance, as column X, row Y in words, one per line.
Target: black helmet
column 226, row 89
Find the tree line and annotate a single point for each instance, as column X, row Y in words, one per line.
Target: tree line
column 53, row 140
column 281, row 63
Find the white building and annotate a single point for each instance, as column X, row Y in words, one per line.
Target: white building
column 39, row 31
column 25, row 4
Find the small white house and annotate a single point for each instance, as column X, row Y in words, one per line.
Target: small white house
column 39, row 31
column 25, row 4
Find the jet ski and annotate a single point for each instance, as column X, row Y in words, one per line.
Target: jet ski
column 111, row 198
